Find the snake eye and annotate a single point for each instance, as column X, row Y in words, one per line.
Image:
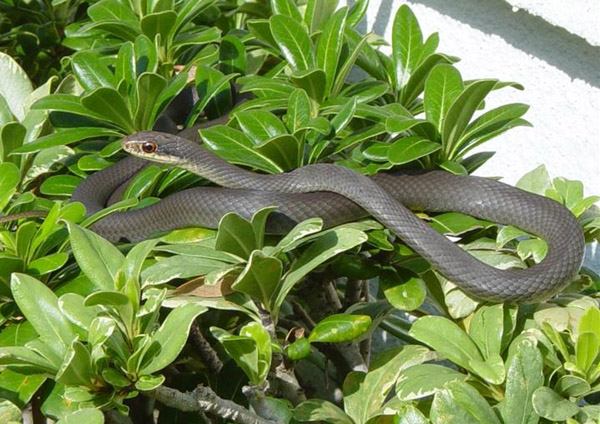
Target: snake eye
column 149, row 147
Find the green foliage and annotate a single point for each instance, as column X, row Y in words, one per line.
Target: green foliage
column 274, row 326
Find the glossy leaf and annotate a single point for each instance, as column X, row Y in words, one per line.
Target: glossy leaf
column 287, row 8
column 236, row 147
column 485, row 329
column 363, row 402
column 321, row 410
column 90, row 72
column 523, row 377
column 260, row 125
column 15, row 86
column 9, row 179
column 330, row 46
column 424, row 380
column 548, row 404
column 403, row 289
column 173, row 267
column 40, row 306
column 340, row 328
column 411, row 148
column 98, row 259
column 65, row 137
column 172, row 335
column 407, row 41
column 442, row 86
column 461, row 403
column 232, row 56
column 323, row 249
column 447, row 338
column 260, row 278
column 110, row 104
column 299, row 111
column 294, row 42
column 461, row 111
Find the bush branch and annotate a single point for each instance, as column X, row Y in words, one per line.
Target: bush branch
column 203, row 399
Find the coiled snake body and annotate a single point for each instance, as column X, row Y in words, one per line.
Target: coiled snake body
column 338, row 195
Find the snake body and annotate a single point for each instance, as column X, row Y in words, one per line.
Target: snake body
column 338, row 195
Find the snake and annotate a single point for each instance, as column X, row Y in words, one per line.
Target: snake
column 338, row 195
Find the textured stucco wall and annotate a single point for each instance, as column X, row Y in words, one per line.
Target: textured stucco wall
column 538, row 48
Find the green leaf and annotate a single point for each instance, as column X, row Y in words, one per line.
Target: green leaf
column 411, row 148
column 300, row 349
column 340, row 328
column 161, row 23
column 40, row 306
column 364, row 402
column 403, row 288
column 536, row 181
column 586, row 350
column 242, row 349
column 294, row 42
column 299, row 110
column 73, row 308
column 47, row 264
column 236, row 236
column 87, row 415
column 424, row 380
column 112, row 10
column 111, row 105
column 485, row 329
column 318, row 12
column 260, row 335
column 330, row 46
column 149, row 89
column 491, row 370
column 232, row 56
column 66, row 136
column 535, row 248
column 442, row 86
column 10, row 413
column 287, row 8
column 91, row 73
column 461, row 403
column 147, row 382
column 9, row 180
column 66, row 103
column 15, row 86
column 76, row 370
column 461, row 111
column 236, row 147
column 456, row 224
column 321, row 250
column 260, row 278
column 550, row 405
column 523, row 376
column 447, row 338
column 18, row 388
column 173, row 267
column 98, row 259
column 172, row 335
column 312, row 81
column 407, row 42
column 321, row 410
column 284, row 150
column 260, row 125
column 492, row 120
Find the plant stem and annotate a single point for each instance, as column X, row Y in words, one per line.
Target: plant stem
column 203, row 399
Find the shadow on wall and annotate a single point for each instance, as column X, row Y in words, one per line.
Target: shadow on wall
column 528, row 33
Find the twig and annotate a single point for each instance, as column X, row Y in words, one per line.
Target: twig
column 207, row 354
column 203, row 399
column 114, row 417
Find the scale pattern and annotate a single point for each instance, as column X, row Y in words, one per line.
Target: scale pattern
column 339, row 195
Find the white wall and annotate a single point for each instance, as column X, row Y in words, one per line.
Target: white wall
column 560, row 72
column 549, row 46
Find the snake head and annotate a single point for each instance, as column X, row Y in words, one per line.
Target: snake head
column 155, row 146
